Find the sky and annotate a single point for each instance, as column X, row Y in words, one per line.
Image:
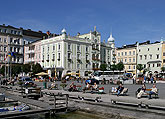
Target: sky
column 128, row 20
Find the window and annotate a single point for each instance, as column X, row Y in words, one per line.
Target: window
column 122, row 53
column 133, row 59
column 11, row 31
column 53, row 56
column 48, row 48
column 129, row 67
column 78, row 56
column 158, row 65
column 5, row 30
column 86, row 65
column 86, row 57
column 0, row 39
column 129, row 59
column 0, row 30
column 18, row 40
column 139, row 50
column 78, row 47
column 11, row 49
column 118, row 54
column 148, row 49
column 15, row 32
column 93, row 56
column 140, row 57
column 43, row 57
column 158, row 49
column 163, row 60
column 148, row 65
column 129, row 52
column 59, row 46
column 43, row 49
column 5, row 40
column 150, row 56
column 69, row 47
column 157, row 56
column 5, row 49
column 86, row 48
column 145, row 57
column 125, row 53
column 125, row 60
column 11, row 40
column 144, row 65
column 153, row 65
column 163, row 53
column 134, row 67
column 69, row 56
column 39, row 56
column 69, row 65
column 133, row 52
column 78, row 66
column 59, row 56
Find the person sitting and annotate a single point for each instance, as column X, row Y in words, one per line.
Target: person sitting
column 154, row 90
column 72, row 87
column 94, row 87
column 52, row 85
column 87, row 87
column 141, row 91
column 120, row 89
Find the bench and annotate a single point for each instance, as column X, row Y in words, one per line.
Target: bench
column 146, row 93
column 124, row 92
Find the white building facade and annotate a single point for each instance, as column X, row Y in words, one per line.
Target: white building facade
column 66, row 54
column 150, row 56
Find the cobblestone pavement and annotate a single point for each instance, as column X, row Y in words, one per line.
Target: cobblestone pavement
column 131, row 87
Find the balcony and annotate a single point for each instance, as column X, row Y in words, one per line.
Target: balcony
column 95, row 69
column 47, row 60
column 30, row 52
column 58, row 59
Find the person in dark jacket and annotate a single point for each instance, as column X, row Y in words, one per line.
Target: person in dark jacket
column 119, row 89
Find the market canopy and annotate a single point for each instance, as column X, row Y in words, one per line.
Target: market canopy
column 41, row 74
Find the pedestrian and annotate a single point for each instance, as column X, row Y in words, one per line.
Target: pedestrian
column 144, row 79
column 152, row 79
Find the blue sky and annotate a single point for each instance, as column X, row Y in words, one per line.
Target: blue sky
column 130, row 20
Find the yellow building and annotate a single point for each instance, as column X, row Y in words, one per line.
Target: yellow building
column 127, row 55
column 163, row 54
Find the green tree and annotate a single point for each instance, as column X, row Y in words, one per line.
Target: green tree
column 140, row 67
column 163, row 69
column 2, row 70
column 103, row 67
column 113, row 67
column 15, row 70
column 36, row 68
column 26, row 68
column 120, row 66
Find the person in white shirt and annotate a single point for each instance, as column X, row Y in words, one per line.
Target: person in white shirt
column 154, row 90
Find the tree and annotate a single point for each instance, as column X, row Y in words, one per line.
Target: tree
column 120, row 66
column 2, row 70
column 15, row 69
column 103, row 67
column 26, row 68
column 36, row 68
column 113, row 67
column 140, row 67
column 163, row 69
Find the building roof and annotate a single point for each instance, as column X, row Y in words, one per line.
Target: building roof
column 38, row 34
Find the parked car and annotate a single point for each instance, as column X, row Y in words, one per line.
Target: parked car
column 26, row 81
column 92, row 81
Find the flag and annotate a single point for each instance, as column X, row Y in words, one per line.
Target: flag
column 12, row 54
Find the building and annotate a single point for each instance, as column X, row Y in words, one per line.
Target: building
column 150, row 56
column 107, row 52
column 32, row 52
column 127, row 55
column 67, row 53
column 163, row 53
column 11, row 40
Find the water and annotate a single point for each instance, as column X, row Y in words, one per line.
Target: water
column 72, row 115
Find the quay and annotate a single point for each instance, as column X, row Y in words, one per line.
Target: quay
column 86, row 101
